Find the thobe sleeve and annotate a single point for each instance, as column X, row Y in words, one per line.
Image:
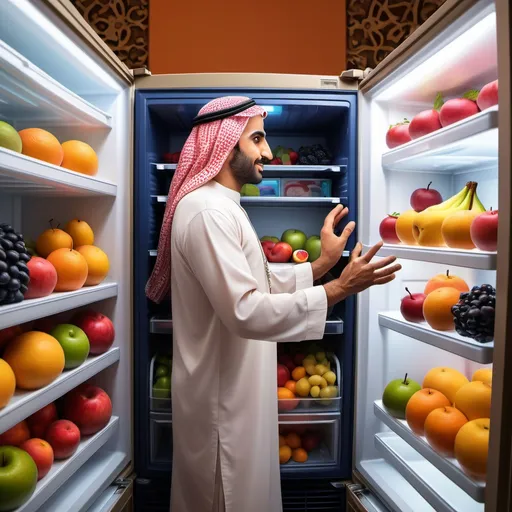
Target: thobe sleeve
column 212, row 247
column 292, row 278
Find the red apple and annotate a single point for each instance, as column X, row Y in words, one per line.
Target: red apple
column 64, row 438
column 98, row 328
column 411, row 306
column 280, row 253
column 387, row 229
column 283, row 375
column 287, row 360
column 42, row 453
column 39, row 422
column 484, row 231
column 398, row 134
column 310, row 441
column 488, row 96
column 89, row 407
column 424, row 123
column 43, row 278
column 267, row 247
column 294, row 157
column 458, row 109
column 15, row 435
column 423, row 198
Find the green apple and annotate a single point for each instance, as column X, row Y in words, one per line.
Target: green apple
column 74, row 342
column 314, row 247
column 295, row 238
column 161, row 371
column 396, row 395
column 250, row 190
column 270, row 239
column 163, row 383
column 18, row 477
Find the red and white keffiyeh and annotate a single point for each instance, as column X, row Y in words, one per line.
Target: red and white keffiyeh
column 202, row 157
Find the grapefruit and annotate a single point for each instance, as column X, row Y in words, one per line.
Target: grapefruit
column 79, row 157
column 445, row 380
column 97, row 262
column 474, row 400
column 300, row 256
column 71, row 269
column 7, row 383
column 80, row 232
column 9, row 137
column 42, row 145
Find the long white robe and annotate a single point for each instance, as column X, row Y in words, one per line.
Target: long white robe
column 224, row 378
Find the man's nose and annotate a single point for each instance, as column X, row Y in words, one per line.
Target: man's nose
column 267, row 152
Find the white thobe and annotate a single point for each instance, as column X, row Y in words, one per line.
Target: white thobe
column 224, row 374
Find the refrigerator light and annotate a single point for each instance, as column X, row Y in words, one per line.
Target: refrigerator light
column 273, row 109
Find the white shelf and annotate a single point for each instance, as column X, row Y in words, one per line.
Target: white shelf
column 444, row 255
column 449, row 341
column 62, row 470
column 23, row 175
column 443, row 494
column 32, row 309
column 29, row 95
column 278, row 169
column 274, row 201
column 470, row 144
column 25, row 403
column 448, row 466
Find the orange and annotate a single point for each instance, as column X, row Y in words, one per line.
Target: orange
column 15, row 435
column 420, row 405
column 474, row 400
column 298, row 373
column 483, row 375
column 437, row 308
column 71, row 269
column 51, row 240
column 80, row 232
column 285, row 453
column 285, row 404
column 443, row 280
column 300, row 455
column 7, row 383
column 441, row 428
column 446, row 380
column 36, row 358
column 282, row 441
column 293, row 440
column 97, row 263
column 42, row 145
column 79, row 157
column 290, row 384
column 471, row 447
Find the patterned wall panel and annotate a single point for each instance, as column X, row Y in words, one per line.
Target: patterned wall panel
column 376, row 27
column 122, row 24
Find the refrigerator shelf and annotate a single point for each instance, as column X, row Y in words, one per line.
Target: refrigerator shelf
column 320, row 458
column 25, row 403
column 444, row 255
column 33, row 309
column 34, row 98
column 443, row 494
column 449, row 341
column 470, row 144
column 449, row 467
column 279, row 169
column 64, row 469
column 23, row 175
column 275, row 201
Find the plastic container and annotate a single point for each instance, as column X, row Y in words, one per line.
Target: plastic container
column 305, row 188
column 269, row 188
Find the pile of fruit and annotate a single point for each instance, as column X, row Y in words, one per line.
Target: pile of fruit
column 295, row 442
column 460, row 222
column 73, row 155
column 449, row 411
column 162, row 372
column 307, row 155
column 29, row 449
column 447, row 304
column 294, row 246
column 443, row 114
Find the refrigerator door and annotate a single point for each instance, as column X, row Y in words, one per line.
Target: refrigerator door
column 361, row 499
column 118, row 497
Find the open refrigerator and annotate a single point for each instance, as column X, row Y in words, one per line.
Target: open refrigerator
column 57, row 74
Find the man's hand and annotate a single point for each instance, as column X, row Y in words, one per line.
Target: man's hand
column 332, row 244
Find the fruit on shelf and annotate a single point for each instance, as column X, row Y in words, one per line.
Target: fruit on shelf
column 303, row 387
column 445, row 380
column 300, row 256
column 287, row 361
column 387, row 229
column 285, row 454
column 39, row 422
column 74, row 342
column 444, row 280
column 249, row 190
column 472, row 447
column 18, row 477
column 297, row 443
column 79, row 157
column 298, row 373
column 99, row 330
column 314, row 155
column 441, row 428
column 423, row 198
column 474, row 313
column 36, row 358
column 411, row 306
column 64, row 438
column 97, row 264
column 16, row 435
column 283, row 375
column 278, row 253
column 300, row 455
column 41, row 453
column 293, row 440
column 80, row 232
column 483, row 375
column 9, row 137
column 426, row 121
column 398, row 134
column 484, row 231
column 295, row 238
column 71, row 267
column 456, row 109
column 437, row 308
column 488, row 95
column 40, row 144
column 7, row 383
column 286, row 399
column 14, row 273
column 291, row 385
column 474, row 400
column 269, row 239
column 51, row 240
column 404, row 227
column 313, row 246
column 162, row 386
column 43, row 278
column 420, row 405
column 396, row 395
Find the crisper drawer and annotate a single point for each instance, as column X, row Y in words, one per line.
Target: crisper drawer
column 160, row 438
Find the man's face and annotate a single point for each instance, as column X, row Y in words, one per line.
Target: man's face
column 247, row 161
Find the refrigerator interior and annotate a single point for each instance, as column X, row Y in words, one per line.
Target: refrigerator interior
column 51, row 79
column 388, row 455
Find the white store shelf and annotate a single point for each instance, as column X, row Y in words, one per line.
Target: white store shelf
column 25, row 403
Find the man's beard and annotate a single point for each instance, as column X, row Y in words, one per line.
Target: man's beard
column 244, row 169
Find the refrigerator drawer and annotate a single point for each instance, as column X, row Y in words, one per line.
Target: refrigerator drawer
column 160, row 397
column 360, row 499
column 160, row 439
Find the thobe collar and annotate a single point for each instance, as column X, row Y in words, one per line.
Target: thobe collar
column 225, row 191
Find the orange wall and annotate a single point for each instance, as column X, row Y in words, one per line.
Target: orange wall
column 194, row 36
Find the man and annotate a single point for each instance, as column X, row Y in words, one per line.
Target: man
column 229, row 310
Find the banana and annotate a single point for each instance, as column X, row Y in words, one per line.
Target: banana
column 453, row 201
